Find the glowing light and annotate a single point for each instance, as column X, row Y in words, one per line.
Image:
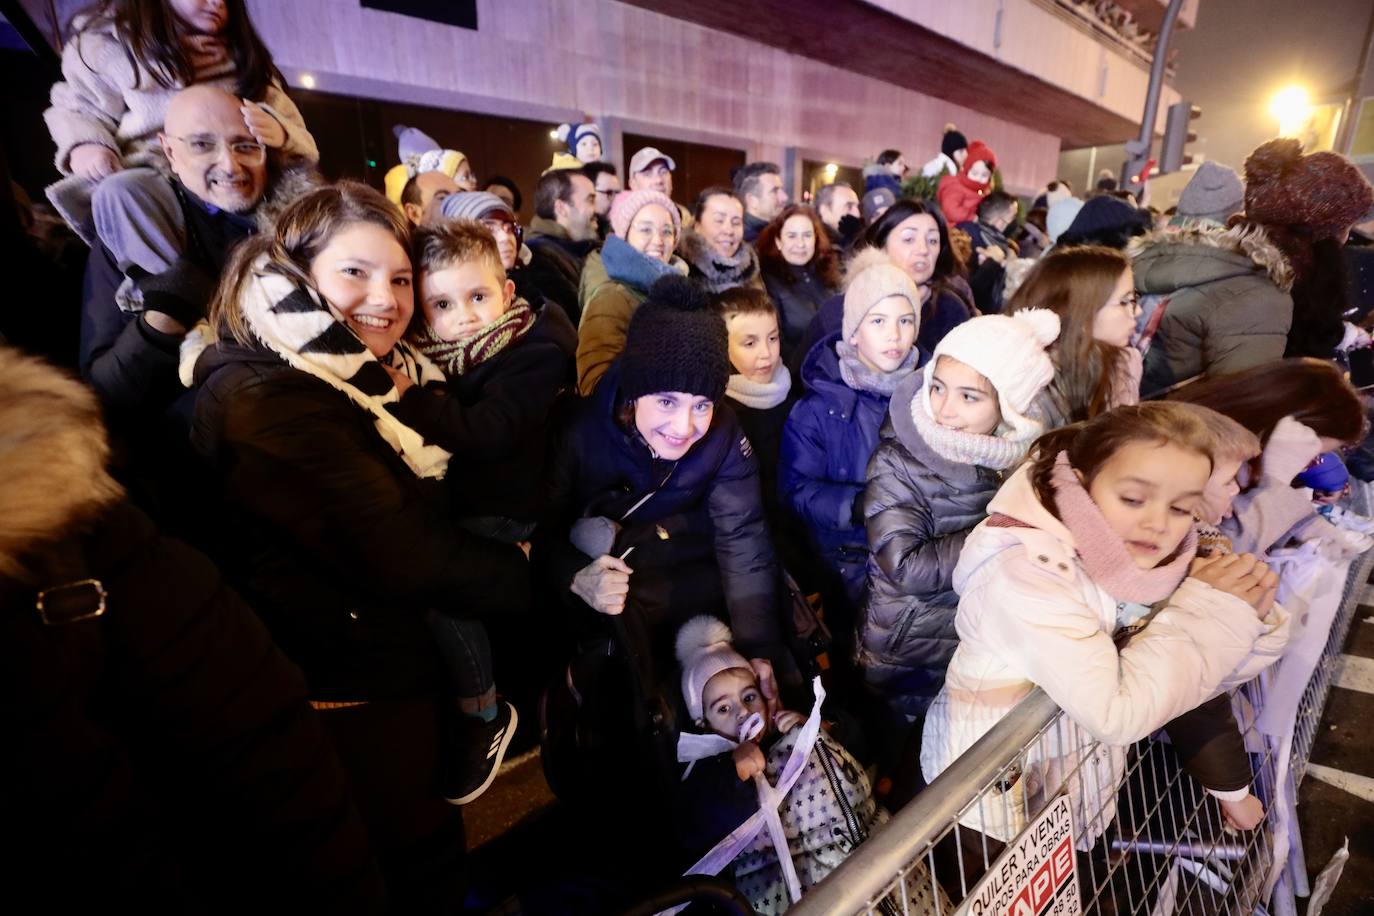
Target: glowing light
column 831, row 169
column 553, row 135
column 1291, row 107
column 307, row 81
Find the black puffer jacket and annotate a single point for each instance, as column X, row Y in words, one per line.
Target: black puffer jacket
column 176, row 693
column 710, row 496
column 339, row 546
column 798, row 294
column 495, row 418
column 918, row 509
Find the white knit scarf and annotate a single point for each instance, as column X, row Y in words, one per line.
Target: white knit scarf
column 994, row 451
column 294, row 323
column 761, row 395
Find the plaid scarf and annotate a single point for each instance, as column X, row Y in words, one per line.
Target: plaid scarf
column 458, row 357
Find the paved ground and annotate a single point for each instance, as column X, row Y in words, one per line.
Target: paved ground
column 1336, row 800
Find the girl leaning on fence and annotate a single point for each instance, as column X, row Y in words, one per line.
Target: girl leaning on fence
column 1093, row 535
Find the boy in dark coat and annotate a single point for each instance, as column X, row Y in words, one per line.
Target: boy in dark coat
column 506, row 364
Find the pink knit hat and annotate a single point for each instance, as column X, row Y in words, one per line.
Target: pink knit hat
column 628, row 203
column 704, row 649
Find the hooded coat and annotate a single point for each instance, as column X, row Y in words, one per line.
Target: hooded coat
column 1030, row 615
column 1223, row 301
column 918, row 510
column 175, row 692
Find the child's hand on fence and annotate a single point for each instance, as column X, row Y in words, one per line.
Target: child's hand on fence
column 1242, row 575
column 749, row 761
column 266, row 129
column 93, row 161
column 788, row 720
column 1245, row 814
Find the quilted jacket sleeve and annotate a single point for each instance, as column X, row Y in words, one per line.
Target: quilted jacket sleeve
column 1039, row 622
column 901, row 527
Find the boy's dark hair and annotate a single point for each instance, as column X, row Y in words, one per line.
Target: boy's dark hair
column 410, row 194
column 517, row 199
column 593, row 169
column 995, row 203
column 715, row 190
column 747, row 176
column 149, row 32
column 889, row 156
column 744, row 300
column 455, row 241
column 553, row 186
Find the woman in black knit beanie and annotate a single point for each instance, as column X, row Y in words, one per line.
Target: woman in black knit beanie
column 655, row 495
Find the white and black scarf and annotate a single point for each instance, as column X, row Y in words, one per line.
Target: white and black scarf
column 297, row 325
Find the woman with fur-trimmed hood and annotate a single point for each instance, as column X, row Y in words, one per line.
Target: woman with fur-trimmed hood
column 135, row 680
column 1223, row 302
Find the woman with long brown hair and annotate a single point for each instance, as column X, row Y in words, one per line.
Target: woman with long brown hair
column 333, row 528
column 1299, row 408
column 801, row 269
column 1092, row 291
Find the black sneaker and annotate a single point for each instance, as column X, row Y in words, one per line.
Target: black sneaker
column 481, row 748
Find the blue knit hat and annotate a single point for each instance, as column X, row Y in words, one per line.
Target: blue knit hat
column 1327, row 474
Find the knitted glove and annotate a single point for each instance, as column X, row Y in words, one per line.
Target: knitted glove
column 594, row 536
column 182, row 291
column 1290, row 449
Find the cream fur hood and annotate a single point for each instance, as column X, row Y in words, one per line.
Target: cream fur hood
column 1166, row 260
column 53, row 453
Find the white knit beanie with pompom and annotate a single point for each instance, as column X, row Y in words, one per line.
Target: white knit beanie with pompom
column 1010, row 352
column 704, row 648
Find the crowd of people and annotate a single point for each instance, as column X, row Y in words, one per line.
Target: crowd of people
column 803, row 496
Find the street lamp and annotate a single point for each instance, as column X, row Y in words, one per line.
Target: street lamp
column 1291, row 107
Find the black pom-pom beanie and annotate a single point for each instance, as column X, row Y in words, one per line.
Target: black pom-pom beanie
column 675, row 342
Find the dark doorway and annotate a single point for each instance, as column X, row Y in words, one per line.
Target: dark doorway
column 816, row 175
column 356, row 140
column 698, row 166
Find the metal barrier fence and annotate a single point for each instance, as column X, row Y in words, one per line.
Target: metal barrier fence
column 1150, row 840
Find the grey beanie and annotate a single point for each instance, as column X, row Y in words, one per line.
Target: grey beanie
column 473, row 205
column 1215, row 193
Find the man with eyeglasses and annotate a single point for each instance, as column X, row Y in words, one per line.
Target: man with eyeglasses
column 163, row 245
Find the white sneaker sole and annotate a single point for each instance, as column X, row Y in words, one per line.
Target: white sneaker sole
column 500, row 755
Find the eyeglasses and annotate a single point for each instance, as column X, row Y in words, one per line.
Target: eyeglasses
column 205, row 147
column 495, row 226
column 1130, row 303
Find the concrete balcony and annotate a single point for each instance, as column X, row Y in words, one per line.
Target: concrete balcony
column 1030, row 62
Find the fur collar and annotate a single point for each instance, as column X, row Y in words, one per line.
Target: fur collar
column 52, row 458
column 1248, row 240
column 719, row 274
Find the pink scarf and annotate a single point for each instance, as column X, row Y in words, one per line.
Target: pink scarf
column 1101, row 549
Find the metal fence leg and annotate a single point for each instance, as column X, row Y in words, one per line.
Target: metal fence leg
column 1295, row 872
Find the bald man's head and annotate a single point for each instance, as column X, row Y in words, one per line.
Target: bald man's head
column 211, row 150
